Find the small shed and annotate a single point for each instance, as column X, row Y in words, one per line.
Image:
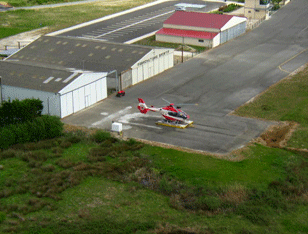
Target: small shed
column 201, row 29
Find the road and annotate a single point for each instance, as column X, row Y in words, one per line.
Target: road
column 219, row 80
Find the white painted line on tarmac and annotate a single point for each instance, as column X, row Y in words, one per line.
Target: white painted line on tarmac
column 112, row 116
column 106, row 18
column 142, row 125
column 132, row 24
column 140, row 38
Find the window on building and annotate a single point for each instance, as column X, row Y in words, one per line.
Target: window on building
column 200, row 40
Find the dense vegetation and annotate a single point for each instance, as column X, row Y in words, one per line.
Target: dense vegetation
column 22, row 121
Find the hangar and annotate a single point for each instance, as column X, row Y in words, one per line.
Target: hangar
column 70, row 74
column 133, row 63
column 201, row 29
column 63, row 91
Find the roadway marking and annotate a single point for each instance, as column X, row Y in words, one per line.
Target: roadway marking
column 289, row 61
column 142, row 125
column 133, row 24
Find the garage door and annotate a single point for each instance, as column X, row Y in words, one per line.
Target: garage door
column 83, row 97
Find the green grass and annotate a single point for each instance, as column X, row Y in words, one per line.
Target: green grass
column 21, row 3
column 259, row 167
column 14, row 22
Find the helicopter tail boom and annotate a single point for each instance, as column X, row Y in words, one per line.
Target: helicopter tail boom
column 142, row 106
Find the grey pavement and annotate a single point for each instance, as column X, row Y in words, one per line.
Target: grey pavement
column 134, row 23
column 219, row 80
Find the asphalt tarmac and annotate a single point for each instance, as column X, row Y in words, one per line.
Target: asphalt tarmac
column 219, row 80
column 134, row 23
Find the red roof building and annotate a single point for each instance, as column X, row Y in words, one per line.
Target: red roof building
column 202, row 29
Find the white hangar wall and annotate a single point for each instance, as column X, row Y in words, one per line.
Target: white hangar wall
column 83, row 92
column 234, row 28
column 153, row 63
column 51, row 101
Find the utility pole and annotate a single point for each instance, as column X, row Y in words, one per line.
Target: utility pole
column 182, row 49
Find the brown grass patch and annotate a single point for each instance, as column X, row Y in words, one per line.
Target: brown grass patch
column 173, row 229
column 234, row 195
column 277, row 135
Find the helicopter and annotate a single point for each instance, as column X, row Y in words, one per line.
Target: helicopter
column 173, row 115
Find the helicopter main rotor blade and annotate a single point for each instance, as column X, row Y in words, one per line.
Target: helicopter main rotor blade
column 187, row 104
column 166, row 101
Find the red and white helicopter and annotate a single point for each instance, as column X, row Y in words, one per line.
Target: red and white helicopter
column 174, row 116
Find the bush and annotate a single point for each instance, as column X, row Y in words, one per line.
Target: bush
column 53, row 126
column 9, row 139
column 99, row 136
column 208, row 203
column 40, row 128
column 16, row 111
column 2, row 216
column 10, row 153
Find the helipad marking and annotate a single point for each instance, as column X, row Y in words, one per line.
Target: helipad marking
column 112, row 116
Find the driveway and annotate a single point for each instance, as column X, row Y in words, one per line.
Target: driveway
column 219, row 80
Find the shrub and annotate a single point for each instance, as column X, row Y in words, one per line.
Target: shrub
column 10, row 153
column 65, row 144
column 208, row 203
column 2, row 216
column 16, row 111
column 99, row 136
column 41, row 128
column 57, row 150
column 65, row 163
column 48, row 168
column 53, row 126
column 7, row 138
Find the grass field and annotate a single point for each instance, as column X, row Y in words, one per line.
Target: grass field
column 22, row 3
column 18, row 21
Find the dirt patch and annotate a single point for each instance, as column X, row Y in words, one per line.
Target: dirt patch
column 277, row 135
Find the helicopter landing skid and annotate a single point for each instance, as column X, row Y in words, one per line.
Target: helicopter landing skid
column 174, row 124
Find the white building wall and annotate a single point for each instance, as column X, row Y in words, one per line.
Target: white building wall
column 153, row 63
column 51, row 101
column 83, row 96
column 216, row 40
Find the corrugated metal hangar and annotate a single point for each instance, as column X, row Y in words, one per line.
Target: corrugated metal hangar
column 70, row 74
column 201, row 29
column 63, row 91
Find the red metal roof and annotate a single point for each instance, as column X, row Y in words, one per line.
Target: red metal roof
column 198, row 19
column 186, row 33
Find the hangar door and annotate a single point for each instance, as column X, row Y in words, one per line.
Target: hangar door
column 82, row 97
column 232, row 32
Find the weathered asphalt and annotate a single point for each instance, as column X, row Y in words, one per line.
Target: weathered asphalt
column 133, row 24
column 219, row 80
